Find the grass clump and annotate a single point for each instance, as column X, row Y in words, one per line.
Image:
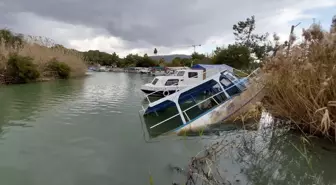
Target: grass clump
column 301, row 83
column 21, row 69
column 60, row 69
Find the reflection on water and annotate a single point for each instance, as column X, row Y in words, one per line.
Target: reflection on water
column 22, row 104
column 82, row 132
column 87, row 131
column 283, row 160
column 268, row 156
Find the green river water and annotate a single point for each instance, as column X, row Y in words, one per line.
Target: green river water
column 88, row 132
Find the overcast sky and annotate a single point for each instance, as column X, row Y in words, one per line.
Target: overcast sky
column 172, row 26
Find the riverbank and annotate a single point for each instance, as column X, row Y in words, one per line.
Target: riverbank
column 26, row 59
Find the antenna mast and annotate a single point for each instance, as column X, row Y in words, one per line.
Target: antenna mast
column 195, row 47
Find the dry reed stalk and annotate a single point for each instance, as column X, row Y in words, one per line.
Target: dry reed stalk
column 301, row 87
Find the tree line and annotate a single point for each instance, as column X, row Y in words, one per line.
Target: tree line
column 246, row 53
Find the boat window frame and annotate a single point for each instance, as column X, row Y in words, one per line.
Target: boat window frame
column 173, row 84
column 155, row 82
column 193, row 72
column 230, row 76
column 178, row 72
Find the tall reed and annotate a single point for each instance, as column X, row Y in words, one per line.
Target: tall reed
column 301, row 83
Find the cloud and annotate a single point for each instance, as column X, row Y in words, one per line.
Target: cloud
column 139, row 26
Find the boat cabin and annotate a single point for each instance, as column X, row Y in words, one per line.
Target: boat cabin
column 166, row 85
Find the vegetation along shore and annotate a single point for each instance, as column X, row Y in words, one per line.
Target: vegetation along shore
column 28, row 59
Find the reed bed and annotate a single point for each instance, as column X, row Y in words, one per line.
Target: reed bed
column 301, row 83
column 42, row 50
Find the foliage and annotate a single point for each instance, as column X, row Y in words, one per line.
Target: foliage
column 10, row 39
column 258, row 44
column 176, row 62
column 162, row 62
column 21, row 69
column 132, row 60
column 102, row 58
column 197, row 56
column 333, row 25
column 179, row 62
column 300, row 85
column 60, row 68
column 145, row 61
column 155, row 51
column 237, row 56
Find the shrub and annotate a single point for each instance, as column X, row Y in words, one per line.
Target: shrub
column 21, row 69
column 61, row 69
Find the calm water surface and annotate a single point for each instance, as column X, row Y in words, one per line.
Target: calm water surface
column 87, row 132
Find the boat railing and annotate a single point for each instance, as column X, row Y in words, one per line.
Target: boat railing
column 164, row 121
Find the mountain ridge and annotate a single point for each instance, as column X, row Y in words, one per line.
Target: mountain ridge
column 169, row 58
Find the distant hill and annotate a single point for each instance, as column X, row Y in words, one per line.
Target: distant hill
column 169, row 58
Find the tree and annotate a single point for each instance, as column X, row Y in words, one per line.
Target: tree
column 186, row 62
column 243, row 31
column 237, row 56
column 333, row 25
column 144, row 61
column 162, row 62
column 176, row 62
column 155, row 51
column 102, row 58
column 197, row 56
column 11, row 39
column 258, row 44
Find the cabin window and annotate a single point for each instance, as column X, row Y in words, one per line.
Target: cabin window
column 180, row 73
column 193, row 75
column 171, row 82
column 230, row 76
column 226, row 82
column 162, row 118
column 200, row 99
column 229, row 86
column 155, row 81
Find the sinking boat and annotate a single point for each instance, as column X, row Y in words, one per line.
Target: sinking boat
column 208, row 102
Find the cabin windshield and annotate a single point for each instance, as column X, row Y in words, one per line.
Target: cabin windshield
column 180, row 73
